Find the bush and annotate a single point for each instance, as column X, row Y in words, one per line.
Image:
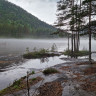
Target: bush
column 50, row 71
column 33, row 72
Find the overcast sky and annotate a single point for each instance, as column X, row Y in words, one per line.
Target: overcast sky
column 43, row 9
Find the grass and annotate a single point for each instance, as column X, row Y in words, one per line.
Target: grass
column 33, row 72
column 33, row 79
column 38, row 54
column 14, row 87
column 50, row 71
column 79, row 53
column 19, row 85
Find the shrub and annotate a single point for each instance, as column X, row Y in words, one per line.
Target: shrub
column 50, row 71
column 33, row 72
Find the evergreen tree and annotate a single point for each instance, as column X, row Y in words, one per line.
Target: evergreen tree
column 89, row 6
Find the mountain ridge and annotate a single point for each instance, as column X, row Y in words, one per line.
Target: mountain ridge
column 17, row 22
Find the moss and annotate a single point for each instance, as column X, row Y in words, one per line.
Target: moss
column 50, row 71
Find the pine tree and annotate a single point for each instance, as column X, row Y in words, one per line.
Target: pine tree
column 90, row 10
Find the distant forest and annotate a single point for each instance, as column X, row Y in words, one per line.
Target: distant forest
column 16, row 22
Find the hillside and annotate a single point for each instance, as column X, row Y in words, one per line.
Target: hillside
column 16, row 22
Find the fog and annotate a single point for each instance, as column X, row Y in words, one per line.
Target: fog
column 18, row 46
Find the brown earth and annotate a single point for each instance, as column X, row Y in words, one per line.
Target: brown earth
column 51, row 89
column 90, row 71
column 89, row 86
column 3, row 62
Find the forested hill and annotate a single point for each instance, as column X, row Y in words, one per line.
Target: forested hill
column 16, row 22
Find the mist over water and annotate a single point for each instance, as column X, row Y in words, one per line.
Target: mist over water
column 18, row 46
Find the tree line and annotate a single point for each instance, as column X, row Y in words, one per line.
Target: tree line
column 16, row 22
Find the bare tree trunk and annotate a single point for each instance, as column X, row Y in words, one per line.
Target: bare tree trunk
column 90, row 33
column 78, row 41
column 72, row 42
column 68, row 41
column 28, row 89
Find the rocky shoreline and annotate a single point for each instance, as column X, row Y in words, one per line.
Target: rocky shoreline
column 9, row 60
column 72, row 80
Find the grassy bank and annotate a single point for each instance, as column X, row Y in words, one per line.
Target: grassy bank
column 19, row 85
column 76, row 54
column 39, row 54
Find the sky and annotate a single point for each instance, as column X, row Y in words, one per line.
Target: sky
column 45, row 10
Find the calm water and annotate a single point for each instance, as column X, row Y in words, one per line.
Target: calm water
column 18, row 47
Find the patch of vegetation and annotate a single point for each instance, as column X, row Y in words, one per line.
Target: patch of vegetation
column 38, row 54
column 19, row 85
column 33, row 72
column 76, row 54
column 33, row 79
column 16, row 84
column 23, row 77
column 14, row 87
column 50, row 71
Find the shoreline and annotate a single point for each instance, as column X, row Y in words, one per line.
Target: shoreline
column 70, row 67
column 71, row 74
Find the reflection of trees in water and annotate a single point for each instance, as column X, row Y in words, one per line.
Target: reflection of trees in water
column 42, row 60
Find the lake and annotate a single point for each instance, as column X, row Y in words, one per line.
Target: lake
column 15, row 47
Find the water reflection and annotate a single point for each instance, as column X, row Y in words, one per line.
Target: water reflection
column 43, row 60
column 17, row 71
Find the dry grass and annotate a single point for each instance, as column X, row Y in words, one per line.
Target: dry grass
column 90, row 71
column 65, row 67
column 3, row 62
column 78, row 77
column 89, row 86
